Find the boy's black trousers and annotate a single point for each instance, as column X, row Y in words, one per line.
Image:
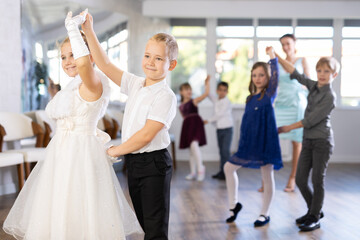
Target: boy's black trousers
column 149, row 176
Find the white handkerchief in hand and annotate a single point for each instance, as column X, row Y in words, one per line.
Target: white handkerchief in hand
column 105, row 139
column 77, row 20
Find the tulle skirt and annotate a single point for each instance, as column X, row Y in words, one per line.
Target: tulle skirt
column 73, row 194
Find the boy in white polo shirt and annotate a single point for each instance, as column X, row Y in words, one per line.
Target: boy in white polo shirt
column 223, row 120
column 149, row 111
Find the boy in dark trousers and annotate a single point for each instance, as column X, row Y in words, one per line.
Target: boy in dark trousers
column 149, row 112
column 318, row 140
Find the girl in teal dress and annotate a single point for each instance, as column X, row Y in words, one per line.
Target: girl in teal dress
column 291, row 102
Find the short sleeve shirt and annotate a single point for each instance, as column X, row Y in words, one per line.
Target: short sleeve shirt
column 156, row 102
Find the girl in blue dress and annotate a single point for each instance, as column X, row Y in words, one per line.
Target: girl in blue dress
column 259, row 141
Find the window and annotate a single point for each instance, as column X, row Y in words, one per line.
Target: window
column 314, row 32
column 314, row 39
column 234, row 60
column 116, row 47
column 54, row 65
column 312, row 50
column 351, row 32
column 191, row 67
column 314, row 28
column 234, row 57
column 235, row 28
column 241, row 42
column 268, row 32
column 39, row 52
column 273, row 28
column 350, row 60
column 262, row 44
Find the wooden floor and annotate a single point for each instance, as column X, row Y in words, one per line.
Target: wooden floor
column 198, row 209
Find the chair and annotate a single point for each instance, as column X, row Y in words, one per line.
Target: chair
column 12, row 159
column 47, row 124
column 117, row 118
column 29, row 142
column 106, row 124
column 18, row 127
column 111, row 126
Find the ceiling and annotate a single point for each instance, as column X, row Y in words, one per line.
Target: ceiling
column 45, row 15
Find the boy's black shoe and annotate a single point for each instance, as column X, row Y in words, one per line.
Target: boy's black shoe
column 259, row 223
column 301, row 220
column 311, row 223
column 236, row 210
column 219, row 175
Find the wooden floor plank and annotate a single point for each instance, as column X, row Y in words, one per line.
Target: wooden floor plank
column 199, row 209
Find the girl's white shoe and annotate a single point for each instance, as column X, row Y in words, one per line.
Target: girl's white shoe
column 190, row 177
column 201, row 174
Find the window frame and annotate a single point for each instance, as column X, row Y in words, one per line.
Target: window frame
column 183, row 22
column 337, row 38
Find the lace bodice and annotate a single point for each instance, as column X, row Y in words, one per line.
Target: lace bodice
column 73, row 113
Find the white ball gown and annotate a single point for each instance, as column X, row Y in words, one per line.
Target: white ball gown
column 74, row 193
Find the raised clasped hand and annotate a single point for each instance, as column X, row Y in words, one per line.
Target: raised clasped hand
column 71, row 21
column 269, row 50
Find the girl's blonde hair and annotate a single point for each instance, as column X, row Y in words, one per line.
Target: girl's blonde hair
column 66, row 40
column 252, row 87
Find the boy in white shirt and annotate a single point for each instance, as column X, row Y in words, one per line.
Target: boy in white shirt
column 223, row 121
column 149, row 112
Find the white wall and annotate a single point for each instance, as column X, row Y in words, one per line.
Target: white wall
column 10, row 69
column 346, row 126
column 10, row 58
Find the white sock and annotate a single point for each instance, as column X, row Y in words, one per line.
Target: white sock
column 267, row 173
column 192, row 164
column 196, row 153
column 232, row 183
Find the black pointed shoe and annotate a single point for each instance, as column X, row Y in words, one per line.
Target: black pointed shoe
column 235, row 210
column 310, row 224
column 259, row 223
column 301, row 220
column 219, row 175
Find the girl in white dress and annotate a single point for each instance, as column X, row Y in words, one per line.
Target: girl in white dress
column 74, row 193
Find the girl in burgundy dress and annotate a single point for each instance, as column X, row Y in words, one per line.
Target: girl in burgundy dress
column 192, row 131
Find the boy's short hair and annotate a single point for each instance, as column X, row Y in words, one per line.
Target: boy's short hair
column 170, row 42
column 224, row 84
column 330, row 62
